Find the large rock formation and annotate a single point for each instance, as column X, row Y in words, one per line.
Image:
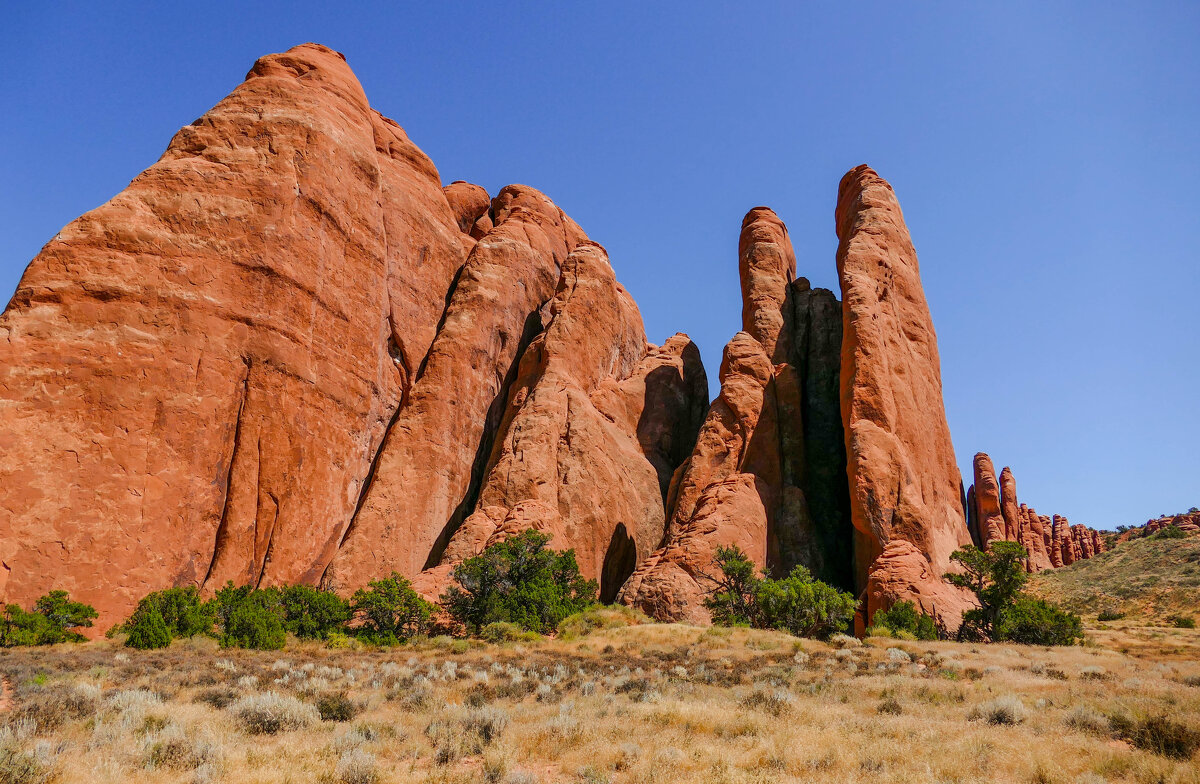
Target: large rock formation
column 904, row 482
column 768, row 471
column 286, row 353
column 281, row 354
column 194, row 377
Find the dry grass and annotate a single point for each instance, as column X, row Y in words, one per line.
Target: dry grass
column 641, row 703
column 1146, row 580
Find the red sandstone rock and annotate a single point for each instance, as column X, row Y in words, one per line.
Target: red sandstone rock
column 904, row 481
column 987, row 501
column 442, row 434
column 571, row 459
column 194, row 376
column 469, row 203
column 714, row 502
column 1009, row 507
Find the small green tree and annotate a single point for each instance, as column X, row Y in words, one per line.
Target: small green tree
column 1035, row 621
column 313, row 614
column 797, row 603
column 64, row 616
column 180, row 612
column 390, row 610
column 904, row 618
column 995, row 576
column 804, row 606
column 1171, row 531
column 20, row 627
column 146, row 628
column 732, row 601
column 521, row 581
column 255, row 622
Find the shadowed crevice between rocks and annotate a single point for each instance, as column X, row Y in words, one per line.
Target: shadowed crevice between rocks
column 483, row 452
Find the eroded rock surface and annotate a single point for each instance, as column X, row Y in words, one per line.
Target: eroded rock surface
column 904, row 482
column 195, row 376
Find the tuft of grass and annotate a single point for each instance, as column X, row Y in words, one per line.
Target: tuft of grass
column 270, row 713
column 1004, row 711
column 357, row 766
column 1157, row 734
column 600, row 616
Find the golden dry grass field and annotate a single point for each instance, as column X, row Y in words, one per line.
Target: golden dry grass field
column 641, row 703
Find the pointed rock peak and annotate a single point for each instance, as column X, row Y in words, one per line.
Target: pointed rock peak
column 766, row 266
column 312, row 63
column 861, row 186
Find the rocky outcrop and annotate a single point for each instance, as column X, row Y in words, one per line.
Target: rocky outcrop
column 429, row 467
column 285, row 352
column 768, row 470
column 1050, row 543
column 593, row 428
column 986, row 493
column 904, row 481
column 195, row 376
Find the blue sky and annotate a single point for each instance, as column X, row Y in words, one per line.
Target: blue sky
column 1045, row 155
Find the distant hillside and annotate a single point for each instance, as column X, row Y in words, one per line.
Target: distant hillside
column 1150, row 578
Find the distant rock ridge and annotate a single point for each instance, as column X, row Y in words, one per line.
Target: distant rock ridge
column 286, row 353
column 1051, row 542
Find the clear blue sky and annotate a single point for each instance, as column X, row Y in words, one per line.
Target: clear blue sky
column 1046, row 155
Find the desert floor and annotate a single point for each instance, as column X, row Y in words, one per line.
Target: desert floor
column 644, row 703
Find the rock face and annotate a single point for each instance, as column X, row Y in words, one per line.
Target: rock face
column 986, row 492
column 578, row 457
column 285, row 352
column 904, row 481
column 241, row 321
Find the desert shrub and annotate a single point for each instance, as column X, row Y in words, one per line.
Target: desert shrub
column 1087, row 719
column 905, row 617
column 183, row 612
column 356, row 766
column 519, row 580
column 146, row 629
column 1034, row 621
column 1002, row 710
column 890, row 706
column 1157, row 734
column 1109, row 614
column 52, row 705
column 250, row 618
column 21, row 767
column 218, row 697
column 390, row 611
column 1170, row 532
column 313, row 614
column 1182, row 621
column 270, row 713
column 337, row 706
column 176, row 751
column 797, row 604
column 773, row 701
column 53, row 619
column 503, row 631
